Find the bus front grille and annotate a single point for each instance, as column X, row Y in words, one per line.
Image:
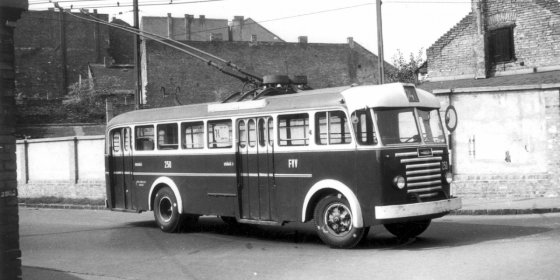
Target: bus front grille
column 423, row 174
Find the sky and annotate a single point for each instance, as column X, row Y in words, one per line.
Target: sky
column 408, row 25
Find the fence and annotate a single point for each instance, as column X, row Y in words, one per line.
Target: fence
column 67, row 167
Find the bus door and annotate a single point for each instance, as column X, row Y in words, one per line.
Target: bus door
column 121, row 169
column 256, row 169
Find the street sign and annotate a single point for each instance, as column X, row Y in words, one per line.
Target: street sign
column 451, row 118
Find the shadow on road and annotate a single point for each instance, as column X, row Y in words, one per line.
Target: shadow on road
column 439, row 235
column 38, row 273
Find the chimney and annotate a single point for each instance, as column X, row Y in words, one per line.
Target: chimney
column 237, row 27
column 350, row 41
column 188, row 23
column 169, row 26
column 302, row 40
column 478, row 43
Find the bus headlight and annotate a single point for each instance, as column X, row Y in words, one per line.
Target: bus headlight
column 399, row 182
column 448, row 177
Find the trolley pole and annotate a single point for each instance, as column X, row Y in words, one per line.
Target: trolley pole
column 137, row 68
column 381, row 60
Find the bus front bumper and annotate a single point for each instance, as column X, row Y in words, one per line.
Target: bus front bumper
column 417, row 209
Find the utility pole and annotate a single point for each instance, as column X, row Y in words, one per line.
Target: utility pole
column 63, row 52
column 381, row 60
column 137, row 68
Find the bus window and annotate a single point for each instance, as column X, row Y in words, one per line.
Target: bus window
column 333, row 129
column 430, row 125
column 270, row 132
column 242, row 131
column 363, row 127
column 321, row 128
column 252, row 135
column 397, row 126
column 194, row 135
column 219, row 134
column 126, row 144
column 263, row 132
column 292, row 130
column 116, row 141
column 144, row 138
column 167, row 136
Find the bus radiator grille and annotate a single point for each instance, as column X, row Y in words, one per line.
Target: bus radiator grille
column 423, row 174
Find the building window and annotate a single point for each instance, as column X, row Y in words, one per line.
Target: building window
column 501, row 45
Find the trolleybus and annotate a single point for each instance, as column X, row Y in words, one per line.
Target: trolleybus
column 346, row 158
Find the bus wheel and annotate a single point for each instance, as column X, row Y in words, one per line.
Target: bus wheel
column 166, row 212
column 408, row 229
column 333, row 219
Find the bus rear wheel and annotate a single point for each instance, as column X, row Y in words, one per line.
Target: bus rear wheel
column 334, row 221
column 408, row 229
column 166, row 211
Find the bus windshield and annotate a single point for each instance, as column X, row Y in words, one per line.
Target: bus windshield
column 398, row 126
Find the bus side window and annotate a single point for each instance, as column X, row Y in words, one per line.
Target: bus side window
column 242, row 132
column 116, row 142
column 194, row 135
column 332, row 129
column 167, row 136
column 292, row 130
column 339, row 132
column 126, row 144
column 363, row 127
column 219, row 134
column 144, row 138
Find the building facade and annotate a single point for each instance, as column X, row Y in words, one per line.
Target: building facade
column 172, row 78
column 500, row 68
column 189, row 28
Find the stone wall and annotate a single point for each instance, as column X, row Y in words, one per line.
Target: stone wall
column 67, row 167
column 536, row 40
column 176, row 78
column 507, row 143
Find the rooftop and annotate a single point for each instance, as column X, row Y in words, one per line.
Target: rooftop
column 514, row 81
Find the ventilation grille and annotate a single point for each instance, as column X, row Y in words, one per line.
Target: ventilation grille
column 423, row 174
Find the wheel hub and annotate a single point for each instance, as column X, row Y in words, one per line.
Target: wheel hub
column 338, row 219
column 165, row 209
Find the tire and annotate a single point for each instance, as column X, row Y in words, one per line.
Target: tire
column 166, row 212
column 408, row 229
column 333, row 219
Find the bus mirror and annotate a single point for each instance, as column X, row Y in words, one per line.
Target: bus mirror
column 451, row 118
column 355, row 119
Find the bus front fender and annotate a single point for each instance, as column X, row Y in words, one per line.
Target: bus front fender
column 168, row 182
column 341, row 188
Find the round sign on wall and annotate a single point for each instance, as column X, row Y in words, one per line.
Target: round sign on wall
column 451, row 118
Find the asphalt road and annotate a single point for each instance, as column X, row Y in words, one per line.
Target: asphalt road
column 85, row 244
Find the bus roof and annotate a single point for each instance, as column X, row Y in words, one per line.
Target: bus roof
column 352, row 98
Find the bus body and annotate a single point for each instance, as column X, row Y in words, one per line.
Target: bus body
column 348, row 158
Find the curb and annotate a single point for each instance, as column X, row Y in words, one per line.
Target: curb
column 475, row 212
column 63, row 206
column 466, row 212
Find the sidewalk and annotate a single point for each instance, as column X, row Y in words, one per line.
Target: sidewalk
column 538, row 205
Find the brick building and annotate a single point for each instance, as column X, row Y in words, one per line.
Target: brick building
column 189, row 28
column 500, row 67
column 172, row 78
column 43, row 46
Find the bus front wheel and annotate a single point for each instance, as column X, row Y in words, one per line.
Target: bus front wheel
column 166, row 211
column 408, row 229
column 333, row 218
